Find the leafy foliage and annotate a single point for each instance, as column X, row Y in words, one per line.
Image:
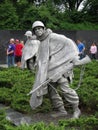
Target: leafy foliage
column 88, row 92
column 83, row 123
column 16, row 83
column 8, row 16
column 20, row 14
column 3, row 122
column 15, row 92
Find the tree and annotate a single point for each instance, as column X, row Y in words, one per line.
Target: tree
column 78, row 11
column 92, row 11
column 45, row 13
column 20, row 14
column 8, row 15
column 69, row 4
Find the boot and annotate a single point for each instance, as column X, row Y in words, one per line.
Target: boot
column 60, row 112
column 76, row 113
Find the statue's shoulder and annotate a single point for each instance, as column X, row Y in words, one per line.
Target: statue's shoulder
column 57, row 36
column 33, row 42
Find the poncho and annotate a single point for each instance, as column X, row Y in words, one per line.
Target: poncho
column 55, row 53
column 30, row 49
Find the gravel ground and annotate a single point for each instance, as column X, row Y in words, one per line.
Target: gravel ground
column 47, row 118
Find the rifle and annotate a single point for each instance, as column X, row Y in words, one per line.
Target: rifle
column 64, row 70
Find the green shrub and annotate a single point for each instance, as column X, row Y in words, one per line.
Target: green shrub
column 16, row 83
column 3, row 121
column 88, row 91
column 88, row 123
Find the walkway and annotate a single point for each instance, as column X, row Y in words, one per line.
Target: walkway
column 18, row 118
column 4, row 65
column 15, row 117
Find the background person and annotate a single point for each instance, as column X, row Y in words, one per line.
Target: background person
column 93, row 50
column 22, row 42
column 81, row 48
column 18, row 52
column 10, row 53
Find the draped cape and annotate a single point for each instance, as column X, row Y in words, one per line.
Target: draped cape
column 55, row 53
column 30, row 49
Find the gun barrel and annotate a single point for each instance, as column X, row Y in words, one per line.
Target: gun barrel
column 44, row 83
column 66, row 69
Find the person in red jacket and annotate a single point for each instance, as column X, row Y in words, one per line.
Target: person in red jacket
column 18, row 52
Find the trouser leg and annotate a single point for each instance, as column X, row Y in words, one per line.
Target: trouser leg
column 57, row 101
column 55, row 98
column 9, row 61
column 12, row 60
column 70, row 96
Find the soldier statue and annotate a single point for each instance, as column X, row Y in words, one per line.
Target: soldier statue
column 56, row 58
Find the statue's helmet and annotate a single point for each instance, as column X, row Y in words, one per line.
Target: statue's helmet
column 28, row 33
column 37, row 24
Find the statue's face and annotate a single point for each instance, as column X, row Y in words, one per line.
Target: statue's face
column 39, row 31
